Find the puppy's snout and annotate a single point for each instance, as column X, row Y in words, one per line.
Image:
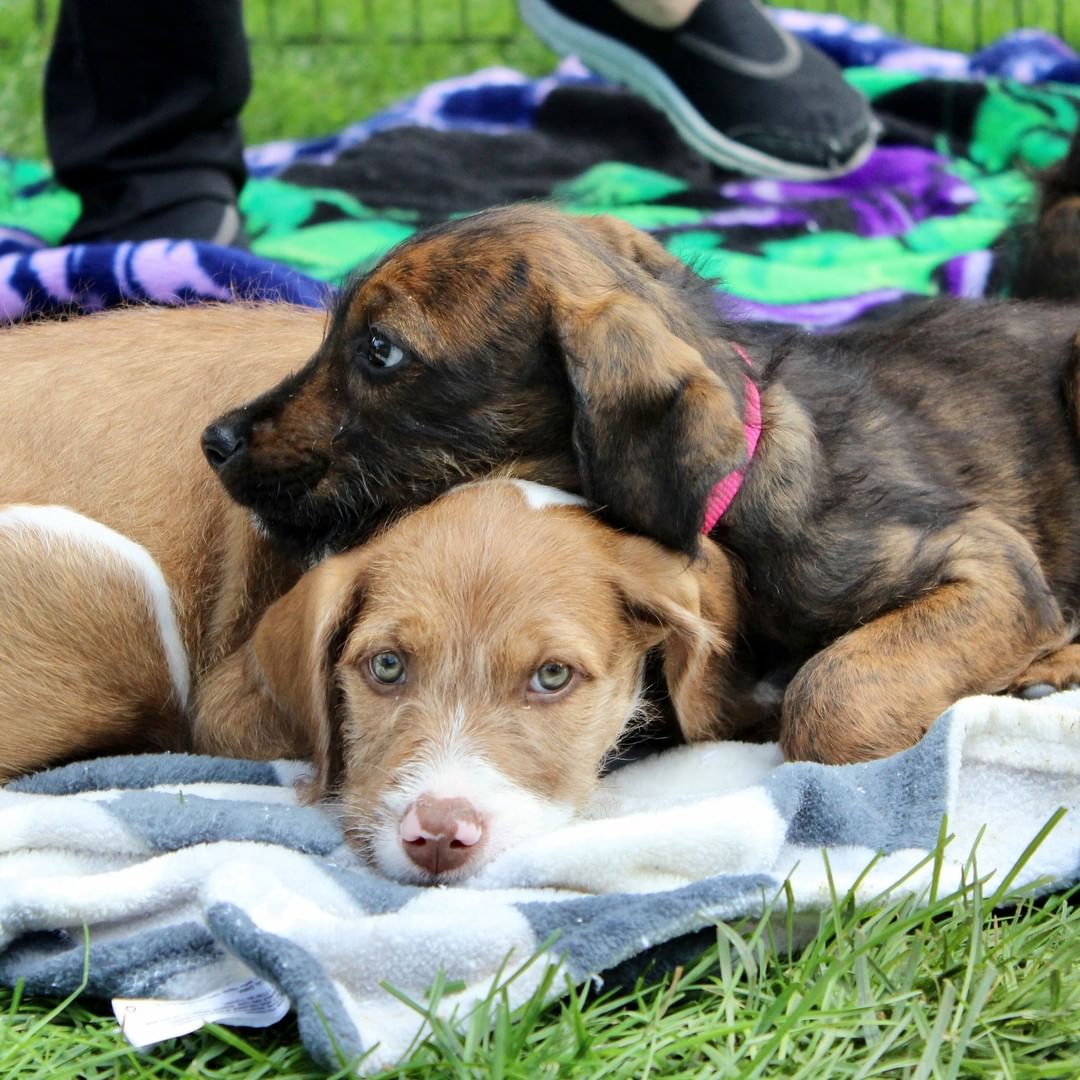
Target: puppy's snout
column 441, row 834
column 222, row 442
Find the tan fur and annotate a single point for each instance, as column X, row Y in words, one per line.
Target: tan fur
column 1059, row 669
column 55, row 703
column 103, row 415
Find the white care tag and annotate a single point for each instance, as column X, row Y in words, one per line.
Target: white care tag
column 146, row 1021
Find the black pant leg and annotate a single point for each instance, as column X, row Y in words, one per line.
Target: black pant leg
column 141, row 105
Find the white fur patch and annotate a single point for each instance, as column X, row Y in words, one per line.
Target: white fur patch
column 103, row 542
column 539, row 496
column 450, row 769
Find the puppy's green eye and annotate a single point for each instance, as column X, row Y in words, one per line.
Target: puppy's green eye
column 550, row 677
column 387, row 668
column 384, row 354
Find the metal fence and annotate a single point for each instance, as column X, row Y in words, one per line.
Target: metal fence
column 955, row 23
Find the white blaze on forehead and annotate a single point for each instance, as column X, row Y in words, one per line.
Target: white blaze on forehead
column 104, row 543
column 539, row 496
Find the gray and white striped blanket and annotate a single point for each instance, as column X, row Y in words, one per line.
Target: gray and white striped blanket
column 191, row 875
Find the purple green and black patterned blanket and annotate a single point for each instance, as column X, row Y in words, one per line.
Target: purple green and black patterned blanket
column 929, row 212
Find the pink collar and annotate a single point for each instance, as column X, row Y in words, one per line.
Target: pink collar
column 725, row 490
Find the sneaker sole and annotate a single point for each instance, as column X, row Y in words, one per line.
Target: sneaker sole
column 621, row 64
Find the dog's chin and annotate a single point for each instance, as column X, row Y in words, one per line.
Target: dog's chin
column 413, row 875
column 310, row 529
column 299, row 511
column 293, row 539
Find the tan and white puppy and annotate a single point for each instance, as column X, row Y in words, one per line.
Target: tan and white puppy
column 459, row 680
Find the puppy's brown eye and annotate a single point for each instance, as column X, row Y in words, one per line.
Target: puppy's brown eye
column 387, row 668
column 383, row 354
column 550, row 677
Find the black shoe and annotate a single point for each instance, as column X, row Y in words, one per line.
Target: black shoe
column 739, row 89
column 203, row 218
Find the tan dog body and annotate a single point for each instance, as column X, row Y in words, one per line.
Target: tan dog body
column 101, row 417
column 140, row 608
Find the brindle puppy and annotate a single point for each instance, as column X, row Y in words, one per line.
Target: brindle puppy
column 909, row 524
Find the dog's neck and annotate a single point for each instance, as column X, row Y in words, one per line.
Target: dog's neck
column 725, row 489
column 251, row 576
column 781, row 469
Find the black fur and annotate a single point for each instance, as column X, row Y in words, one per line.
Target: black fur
column 956, row 406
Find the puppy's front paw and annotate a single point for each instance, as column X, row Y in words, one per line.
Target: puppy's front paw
column 1058, row 671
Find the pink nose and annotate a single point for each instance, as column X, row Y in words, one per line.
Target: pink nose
column 441, row 834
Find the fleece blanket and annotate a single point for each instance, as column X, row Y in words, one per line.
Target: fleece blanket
column 202, row 881
column 929, row 212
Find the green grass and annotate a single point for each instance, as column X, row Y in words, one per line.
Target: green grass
column 308, row 88
column 955, row 24
column 301, row 88
column 884, row 989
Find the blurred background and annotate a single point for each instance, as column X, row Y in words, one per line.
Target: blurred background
column 321, row 64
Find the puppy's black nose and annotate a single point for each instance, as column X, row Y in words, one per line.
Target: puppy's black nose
column 221, row 443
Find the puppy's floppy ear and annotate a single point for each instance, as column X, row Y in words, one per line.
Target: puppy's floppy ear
column 295, row 647
column 691, row 611
column 654, row 426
